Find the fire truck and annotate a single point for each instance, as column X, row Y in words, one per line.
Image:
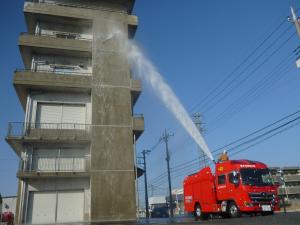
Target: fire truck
column 238, row 186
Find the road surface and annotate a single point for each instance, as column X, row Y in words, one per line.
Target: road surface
column 291, row 218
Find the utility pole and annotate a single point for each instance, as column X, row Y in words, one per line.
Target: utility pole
column 165, row 138
column 295, row 20
column 199, row 125
column 145, row 152
column 283, row 185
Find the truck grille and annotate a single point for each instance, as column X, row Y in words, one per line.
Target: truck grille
column 261, row 197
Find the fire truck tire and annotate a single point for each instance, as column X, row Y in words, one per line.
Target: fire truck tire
column 199, row 214
column 233, row 210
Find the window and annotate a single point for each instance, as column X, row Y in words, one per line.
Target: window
column 221, row 179
column 256, row 177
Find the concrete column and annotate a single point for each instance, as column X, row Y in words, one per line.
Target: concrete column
column 112, row 168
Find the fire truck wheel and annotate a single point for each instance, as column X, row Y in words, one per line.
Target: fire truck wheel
column 233, row 210
column 199, row 214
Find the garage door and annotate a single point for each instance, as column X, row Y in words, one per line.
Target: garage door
column 70, row 207
column 42, row 207
column 55, row 207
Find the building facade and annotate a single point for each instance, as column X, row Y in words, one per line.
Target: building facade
column 289, row 180
column 76, row 143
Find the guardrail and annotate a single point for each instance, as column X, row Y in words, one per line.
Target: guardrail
column 66, row 35
column 55, row 164
column 53, row 71
column 138, row 115
column 21, row 129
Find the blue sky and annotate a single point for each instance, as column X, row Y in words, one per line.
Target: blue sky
column 194, row 45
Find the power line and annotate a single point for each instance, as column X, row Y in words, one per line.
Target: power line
column 243, row 102
column 247, row 77
column 252, row 53
column 224, row 81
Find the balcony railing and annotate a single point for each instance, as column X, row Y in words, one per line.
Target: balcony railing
column 22, row 129
column 63, row 35
column 54, row 71
column 55, row 164
column 74, row 5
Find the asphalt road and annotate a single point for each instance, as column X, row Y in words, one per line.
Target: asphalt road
column 291, row 218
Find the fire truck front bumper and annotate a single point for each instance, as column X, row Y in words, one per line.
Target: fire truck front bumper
column 259, row 207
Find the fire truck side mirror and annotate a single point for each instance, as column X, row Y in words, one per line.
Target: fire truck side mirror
column 235, row 178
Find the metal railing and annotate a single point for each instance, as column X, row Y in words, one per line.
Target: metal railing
column 65, row 35
column 55, row 164
column 74, row 5
column 138, row 115
column 21, row 129
column 53, row 71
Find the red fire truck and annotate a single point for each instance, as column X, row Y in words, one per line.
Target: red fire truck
column 238, row 186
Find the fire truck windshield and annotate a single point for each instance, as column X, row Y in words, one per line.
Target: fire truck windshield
column 256, row 177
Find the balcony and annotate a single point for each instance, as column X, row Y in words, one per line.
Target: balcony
column 104, row 7
column 136, row 89
column 28, row 80
column 132, row 25
column 75, row 13
column 49, row 166
column 50, row 44
column 19, row 133
column 138, row 125
column 289, row 190
column 292, row 178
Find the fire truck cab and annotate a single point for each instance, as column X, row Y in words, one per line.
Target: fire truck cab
column 238, row 186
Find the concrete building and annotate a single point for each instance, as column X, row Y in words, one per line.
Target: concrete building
column 289, row 181
column 76, row 144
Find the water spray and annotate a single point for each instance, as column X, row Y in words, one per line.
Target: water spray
column 143, row 68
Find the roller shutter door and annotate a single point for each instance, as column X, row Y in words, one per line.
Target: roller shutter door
column 66, row 116
column 48, row 115
column 42, row 207
column 55, row 207
column 70, row 207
